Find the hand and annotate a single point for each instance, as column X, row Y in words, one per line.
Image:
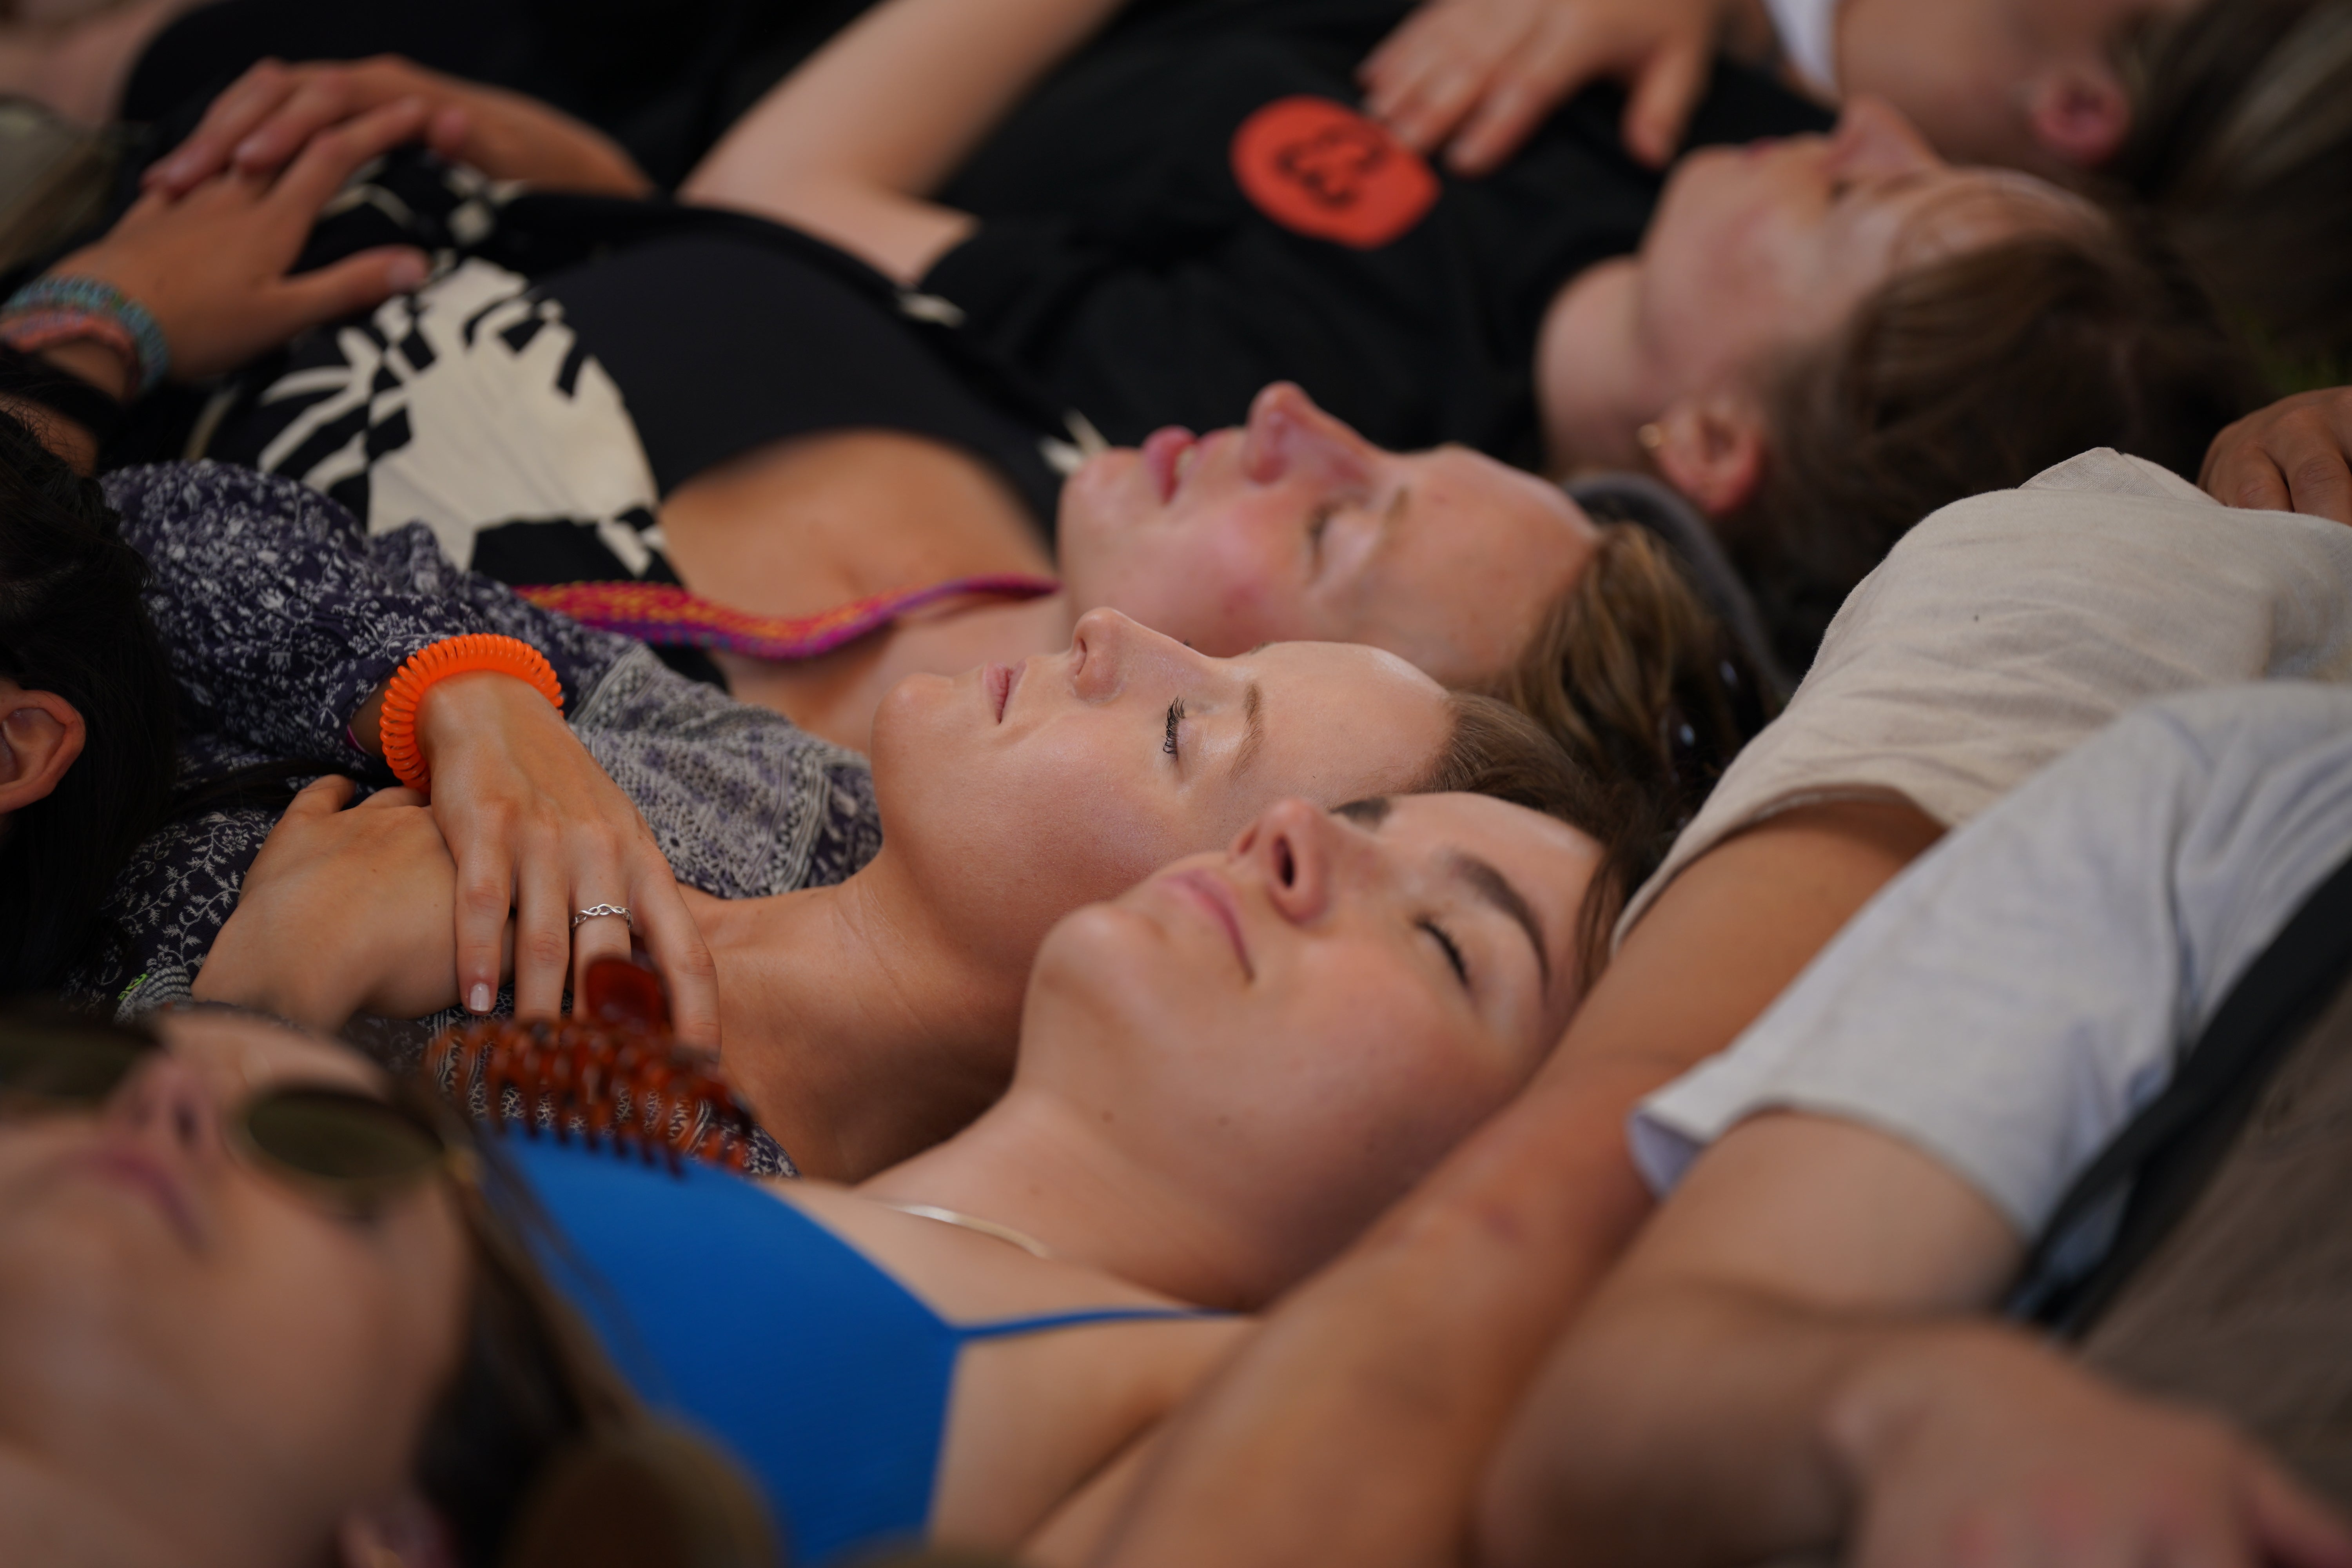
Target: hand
column 344, row 912
column 2290, row 457
column 1481, row 75
column 1993, row 1450
column 211, row 265
column 539, row 829
column 272, row 112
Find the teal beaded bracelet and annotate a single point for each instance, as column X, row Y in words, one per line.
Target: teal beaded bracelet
column 55, row 309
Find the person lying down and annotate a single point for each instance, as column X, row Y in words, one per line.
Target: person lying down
column 1226, row 1073
column 1000, row 801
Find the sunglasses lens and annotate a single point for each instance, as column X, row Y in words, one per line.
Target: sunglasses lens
column 349, row 1142
column 63, row 1065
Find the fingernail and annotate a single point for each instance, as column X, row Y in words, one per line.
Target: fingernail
column 406, row 273
column 251, row 147
column 479, row 1001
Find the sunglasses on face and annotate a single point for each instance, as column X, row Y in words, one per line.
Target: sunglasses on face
column 343, row 1149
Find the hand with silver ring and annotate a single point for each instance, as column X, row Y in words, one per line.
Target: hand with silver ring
column 598, row 912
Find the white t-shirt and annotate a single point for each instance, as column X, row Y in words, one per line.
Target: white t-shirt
column 2009, row 1001
column 2006, row 627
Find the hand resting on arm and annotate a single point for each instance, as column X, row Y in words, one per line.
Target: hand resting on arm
column 344, row 911
column 1479, row 76
column 271, row 114
column 538, row 831
column 2294, row 456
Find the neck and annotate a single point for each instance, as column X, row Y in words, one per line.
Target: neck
column 1596, row 381
column 857, row 1029
column 1050, row 1170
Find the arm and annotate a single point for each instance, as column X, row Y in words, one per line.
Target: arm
column 1355, row 1425
column 1768, row 1373
column 283, row 625
column 848, row 146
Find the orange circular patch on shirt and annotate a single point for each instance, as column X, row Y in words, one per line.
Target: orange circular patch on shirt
column 1322, row 169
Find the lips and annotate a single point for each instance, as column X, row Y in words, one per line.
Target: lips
column 998, row 682
column 1215, row 899
column 131, row 1168
column 1163, row 452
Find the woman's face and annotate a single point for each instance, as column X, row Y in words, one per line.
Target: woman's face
column 1293, row 527
column 196, row 1366
column 1761, row 249
column 1295, row 1029
column 1012, row 794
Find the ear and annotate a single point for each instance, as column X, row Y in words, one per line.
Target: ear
column 405, row 1532
column 41, row 734
column 2079, row 113
column 1710, row 446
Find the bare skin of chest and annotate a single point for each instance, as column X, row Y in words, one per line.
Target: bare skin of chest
column 801, row 526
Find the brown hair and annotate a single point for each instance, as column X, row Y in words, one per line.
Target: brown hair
column 1643, row 696
column 1974, row 373
column 2240, row 140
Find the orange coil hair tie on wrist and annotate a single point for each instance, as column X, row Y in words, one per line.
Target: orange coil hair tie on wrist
column 478, row 652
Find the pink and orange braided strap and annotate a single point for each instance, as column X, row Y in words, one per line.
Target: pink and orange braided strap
column 477, row 651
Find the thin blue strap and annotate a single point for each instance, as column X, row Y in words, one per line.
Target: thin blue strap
column 1007, row 1328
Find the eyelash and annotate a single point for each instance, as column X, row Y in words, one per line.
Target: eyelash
column 1452, row 951
column 1175, row 717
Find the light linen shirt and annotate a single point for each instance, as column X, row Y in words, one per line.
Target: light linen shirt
column 2012, row 999
column 2006, row 627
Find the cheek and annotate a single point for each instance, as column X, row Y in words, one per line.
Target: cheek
column 1218, row 585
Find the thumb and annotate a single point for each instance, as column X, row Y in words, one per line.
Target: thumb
column 322, row 797
column 354, row 284
column 1663, row 95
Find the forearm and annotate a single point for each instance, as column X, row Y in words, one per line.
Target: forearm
column 1699, row 1424
column 1354, row 1428
column 894, row 105
column 92, row 363
column 282, row 620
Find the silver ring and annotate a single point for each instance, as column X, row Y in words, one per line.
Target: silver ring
column 598, row 912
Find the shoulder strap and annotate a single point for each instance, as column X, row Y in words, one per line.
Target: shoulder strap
column 2163, row 1156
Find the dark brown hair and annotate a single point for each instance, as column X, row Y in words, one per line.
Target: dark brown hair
column 72, row 623
column 1643, row 698
column 1974, row 373
column 2242, row 145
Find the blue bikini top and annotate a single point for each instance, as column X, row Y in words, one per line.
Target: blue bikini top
column 733, row 1311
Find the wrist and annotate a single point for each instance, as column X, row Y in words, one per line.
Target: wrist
column 84, row 312
column 464, row 707
column 398, row 727
column 1899, row 1385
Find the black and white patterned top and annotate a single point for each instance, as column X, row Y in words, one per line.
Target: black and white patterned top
column 281, row 614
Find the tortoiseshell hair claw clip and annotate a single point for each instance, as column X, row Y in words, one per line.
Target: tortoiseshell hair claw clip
column 612, row 1073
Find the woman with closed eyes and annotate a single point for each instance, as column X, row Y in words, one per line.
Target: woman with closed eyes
column 857, row 938
column 1225, row 1075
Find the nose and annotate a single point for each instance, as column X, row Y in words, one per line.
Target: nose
column 168, row 1106
column 1874, row 141
column 1107, row 648
column 1288, row 432
column 1295, row 848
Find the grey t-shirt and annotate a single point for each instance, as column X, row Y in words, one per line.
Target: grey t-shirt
column 2009, row 1001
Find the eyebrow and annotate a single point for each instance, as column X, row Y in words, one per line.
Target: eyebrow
column 1496, row 889
column 1253, row 731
